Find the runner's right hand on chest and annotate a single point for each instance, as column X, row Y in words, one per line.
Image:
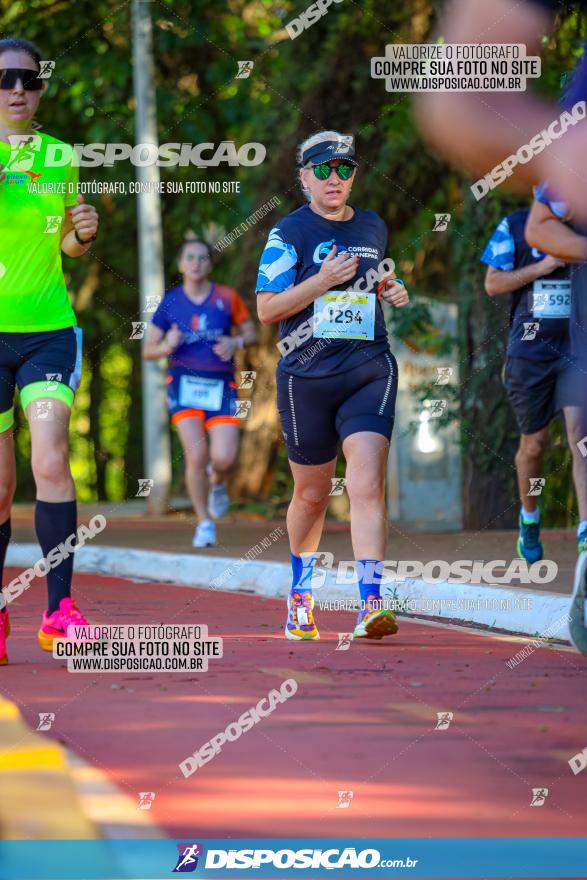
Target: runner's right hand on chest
column 338, row 269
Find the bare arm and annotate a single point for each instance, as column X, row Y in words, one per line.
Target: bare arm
column 247, row 332
column 273, row 307
column 548, row 232
column 497, row 281
column 157, row 345
column 69, row 243
column 84, row 218
column 226, row 346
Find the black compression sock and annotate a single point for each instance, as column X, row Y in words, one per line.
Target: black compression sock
column 55, row 522
column 5, row 535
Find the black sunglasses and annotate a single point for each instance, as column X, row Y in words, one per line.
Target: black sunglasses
column 323, row 171
column 9, row 76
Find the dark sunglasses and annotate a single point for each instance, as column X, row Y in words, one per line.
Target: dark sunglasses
column 322, row 172
column 9, row 77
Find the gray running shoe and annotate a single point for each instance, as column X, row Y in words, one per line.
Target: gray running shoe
column 218, row 500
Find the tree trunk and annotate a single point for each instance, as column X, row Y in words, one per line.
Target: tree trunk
column 261, row 430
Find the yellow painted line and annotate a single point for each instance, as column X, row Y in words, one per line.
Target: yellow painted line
column 8, row 711
column 39, row 800
column 23, row 757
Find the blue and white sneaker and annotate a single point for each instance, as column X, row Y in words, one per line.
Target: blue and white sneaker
column 578, row 607
column 205, row 534
column 529, row 544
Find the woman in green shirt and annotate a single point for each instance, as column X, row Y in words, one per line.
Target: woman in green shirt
column 41, row 215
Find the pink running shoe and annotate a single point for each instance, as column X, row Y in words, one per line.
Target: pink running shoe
column 4, row 633
column 54, row 626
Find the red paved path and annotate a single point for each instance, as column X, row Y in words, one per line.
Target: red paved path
column 362, row 720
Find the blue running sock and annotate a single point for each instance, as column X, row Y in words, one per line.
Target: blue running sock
column 55, row 522
column 296, row 568
column 302, row 570
column 369, row 573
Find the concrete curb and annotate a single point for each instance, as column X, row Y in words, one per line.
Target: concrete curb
column 39, row 800
column 112, row 811
column 503, row 609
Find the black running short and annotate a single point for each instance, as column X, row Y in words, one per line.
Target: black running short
column 317, row 413
column 43, row 364
column 538, row 390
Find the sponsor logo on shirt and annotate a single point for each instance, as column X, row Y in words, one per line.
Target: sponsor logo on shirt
column 20, row 176
column 322, row 250
column 201, row 336
column 16, row 179
column 354, row 250
column 199, row 323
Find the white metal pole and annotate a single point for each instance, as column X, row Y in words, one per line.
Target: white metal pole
column 156, row 445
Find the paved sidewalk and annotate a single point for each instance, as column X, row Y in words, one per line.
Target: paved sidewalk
column 129, row 526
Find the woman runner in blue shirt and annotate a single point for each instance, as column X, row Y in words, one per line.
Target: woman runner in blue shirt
column 193, row 327
column 337, row 379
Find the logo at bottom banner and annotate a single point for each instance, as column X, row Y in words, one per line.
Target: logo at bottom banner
column 235, row 859
column 187, row 860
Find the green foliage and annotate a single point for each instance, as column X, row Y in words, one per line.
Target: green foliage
column 320, row 80
column 114, row 425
